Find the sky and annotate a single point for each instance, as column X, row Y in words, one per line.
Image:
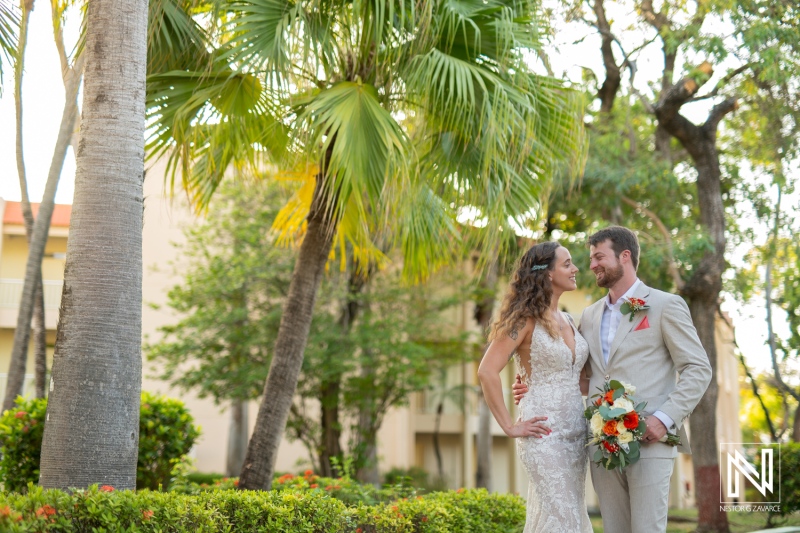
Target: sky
column 573, row 49
column 43, row 103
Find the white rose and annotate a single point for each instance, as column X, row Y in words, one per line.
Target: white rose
column 596, row 423
column 629, row 389
column 624, row 436
column 623, row 403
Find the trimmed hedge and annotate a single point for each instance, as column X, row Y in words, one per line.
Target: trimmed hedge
column 284, row 511
column 166, row 434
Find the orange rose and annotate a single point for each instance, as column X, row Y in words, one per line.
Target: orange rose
column 631, row 420
column 610, row 428
column 598, row 401
column 610, row 397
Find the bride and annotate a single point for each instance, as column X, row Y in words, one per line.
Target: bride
column 549, row 355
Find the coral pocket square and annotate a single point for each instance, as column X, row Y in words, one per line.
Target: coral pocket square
column 644, row 324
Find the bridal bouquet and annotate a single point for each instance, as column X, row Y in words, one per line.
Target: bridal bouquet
column 616, row 425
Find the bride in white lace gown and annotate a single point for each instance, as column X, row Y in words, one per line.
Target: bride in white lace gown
column 549, row 354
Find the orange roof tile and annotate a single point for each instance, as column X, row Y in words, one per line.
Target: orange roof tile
column 61, row 214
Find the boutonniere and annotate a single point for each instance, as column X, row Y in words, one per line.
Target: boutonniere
column 631, row 306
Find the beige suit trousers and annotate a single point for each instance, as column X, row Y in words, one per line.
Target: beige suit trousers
column 636, row 499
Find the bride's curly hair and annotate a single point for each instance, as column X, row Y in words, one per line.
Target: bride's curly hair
column 529, row 293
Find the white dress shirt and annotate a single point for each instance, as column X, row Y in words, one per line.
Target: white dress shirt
column 612, row 316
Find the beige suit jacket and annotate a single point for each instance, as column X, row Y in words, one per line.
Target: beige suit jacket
column 665, row 362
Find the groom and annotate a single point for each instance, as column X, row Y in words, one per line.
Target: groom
column 647, row 348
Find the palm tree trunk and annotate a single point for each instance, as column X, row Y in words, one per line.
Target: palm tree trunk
column 39, row 331
column 292, row 337
column 237, row 437
column 38, row 241
column 39, row 340
column 91, row 434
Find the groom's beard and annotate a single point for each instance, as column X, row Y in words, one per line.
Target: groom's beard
column 610, row 277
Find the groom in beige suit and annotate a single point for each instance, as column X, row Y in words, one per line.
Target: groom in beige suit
column 649, row 351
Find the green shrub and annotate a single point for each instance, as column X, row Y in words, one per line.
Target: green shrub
column 789, row 480
column 203, row 477
column 281, row 511
column 166, row 434
column 21, row 431
column 416, row 476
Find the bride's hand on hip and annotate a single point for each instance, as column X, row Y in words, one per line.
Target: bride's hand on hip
column 533, row 427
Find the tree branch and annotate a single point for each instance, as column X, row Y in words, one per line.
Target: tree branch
column 604, row 28
column 656, row 20
column 608, row 91
column 672, row 266
column 728, row 77
column 718, row 112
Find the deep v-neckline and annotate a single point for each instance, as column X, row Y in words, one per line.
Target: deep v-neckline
column 574, row 339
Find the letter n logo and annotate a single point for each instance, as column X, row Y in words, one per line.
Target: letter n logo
column 762, row 477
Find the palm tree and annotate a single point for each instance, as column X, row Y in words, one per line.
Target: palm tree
column 406, row 113
column 39, row 327
column 91, row 434
column 32, row 301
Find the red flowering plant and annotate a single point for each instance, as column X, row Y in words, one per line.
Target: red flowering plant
column 616, row 425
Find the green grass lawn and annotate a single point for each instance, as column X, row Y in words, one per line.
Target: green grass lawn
column 685, row 520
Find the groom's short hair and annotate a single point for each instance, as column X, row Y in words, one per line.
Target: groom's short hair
column 621, row 239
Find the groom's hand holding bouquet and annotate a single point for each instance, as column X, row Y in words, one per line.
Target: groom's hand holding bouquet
column 617, row 425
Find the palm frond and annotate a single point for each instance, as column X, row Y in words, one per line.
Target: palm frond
column 290, row 224
column 9, row 27
column 260, row 34
column 364, row 152
column 175, row 40
column 425, row 228
column 204, row 122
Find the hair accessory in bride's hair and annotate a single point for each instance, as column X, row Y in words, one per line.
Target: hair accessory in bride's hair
column 534, row 268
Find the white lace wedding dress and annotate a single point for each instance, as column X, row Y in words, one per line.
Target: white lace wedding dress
column 556, row 463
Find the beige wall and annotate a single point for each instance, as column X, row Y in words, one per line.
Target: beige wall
column 13, row 258
column 164, row 220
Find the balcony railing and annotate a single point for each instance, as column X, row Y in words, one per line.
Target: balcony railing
column 11, row 293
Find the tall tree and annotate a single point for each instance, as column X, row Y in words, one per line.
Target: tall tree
column 39, row 328
column 38, row 230
column 406, row 111
column 91, row 433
